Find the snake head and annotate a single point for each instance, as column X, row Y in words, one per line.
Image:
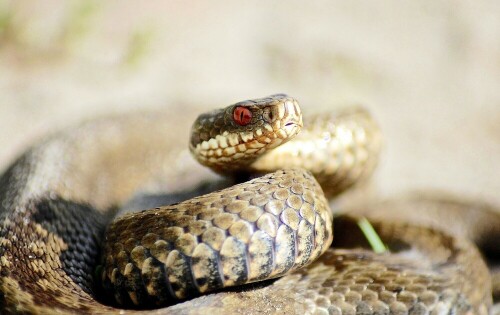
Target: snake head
column 234, row 137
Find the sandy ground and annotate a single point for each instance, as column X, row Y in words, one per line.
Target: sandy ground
column 428, row 70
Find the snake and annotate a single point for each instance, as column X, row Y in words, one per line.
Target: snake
column 239, row 220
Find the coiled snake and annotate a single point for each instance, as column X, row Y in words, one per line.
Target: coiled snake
column 57, row 199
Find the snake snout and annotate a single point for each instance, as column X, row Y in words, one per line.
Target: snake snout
column 293, row 123
column 294, row 113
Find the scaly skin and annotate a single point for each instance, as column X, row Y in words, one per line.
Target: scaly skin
column 258, row 230
column 57, row 199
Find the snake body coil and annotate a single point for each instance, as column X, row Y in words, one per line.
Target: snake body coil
column 57, row 200
column 258, row 230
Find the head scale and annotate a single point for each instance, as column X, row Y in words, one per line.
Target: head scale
column 234, row 137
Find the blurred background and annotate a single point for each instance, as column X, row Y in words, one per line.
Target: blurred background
column 428, row 70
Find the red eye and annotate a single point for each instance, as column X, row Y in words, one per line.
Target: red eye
column 242, row 115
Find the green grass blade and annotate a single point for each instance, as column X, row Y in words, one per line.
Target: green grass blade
column 371, row 235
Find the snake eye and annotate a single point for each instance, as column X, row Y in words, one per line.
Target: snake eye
column 242, row 115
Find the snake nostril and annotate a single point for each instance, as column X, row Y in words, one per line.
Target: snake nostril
column 290, row 123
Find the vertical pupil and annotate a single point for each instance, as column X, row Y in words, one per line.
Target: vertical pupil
column 242, row 116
